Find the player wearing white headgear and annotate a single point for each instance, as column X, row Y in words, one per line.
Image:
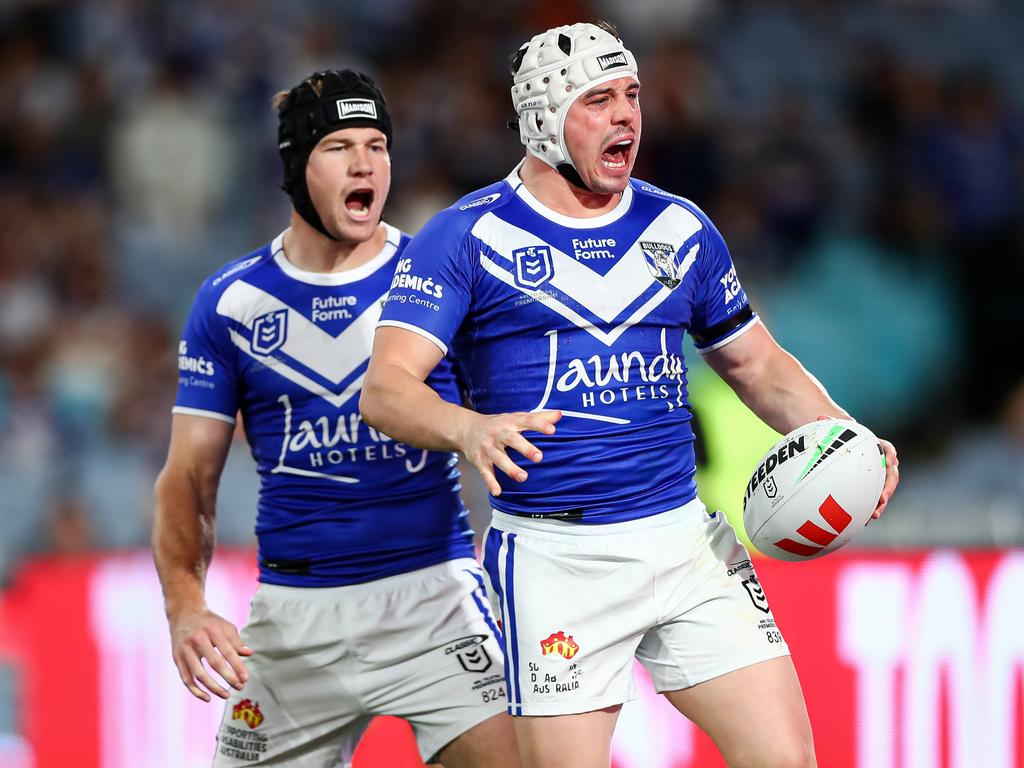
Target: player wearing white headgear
column 565, row 291
column 554, row 70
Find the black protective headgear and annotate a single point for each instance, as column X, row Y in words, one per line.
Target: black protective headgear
column 346, row 99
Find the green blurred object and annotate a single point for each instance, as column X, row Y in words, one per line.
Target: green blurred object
column 734, row 441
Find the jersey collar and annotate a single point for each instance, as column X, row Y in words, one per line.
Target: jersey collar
column 337, row 278
column 603, row 220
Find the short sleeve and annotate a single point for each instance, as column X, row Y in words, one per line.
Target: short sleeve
column 207, row 374
column 721, row 310
column 432, row 286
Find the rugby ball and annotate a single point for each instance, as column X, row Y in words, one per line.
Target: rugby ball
column 814, row 490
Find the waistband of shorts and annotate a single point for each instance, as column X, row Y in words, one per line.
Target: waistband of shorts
column 449, row 568
column 546, row 525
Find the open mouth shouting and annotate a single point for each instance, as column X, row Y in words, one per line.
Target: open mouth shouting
column 358, row 203
column 615, row 155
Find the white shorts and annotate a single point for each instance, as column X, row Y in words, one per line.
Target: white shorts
column 420, row 646
column 579, row 602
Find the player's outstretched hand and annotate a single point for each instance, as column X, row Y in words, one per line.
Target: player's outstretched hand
column 486, row 439
column 892, row 476
column 198, row 635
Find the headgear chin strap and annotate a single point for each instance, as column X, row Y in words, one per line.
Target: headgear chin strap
column 323, row 103
column 555, row 68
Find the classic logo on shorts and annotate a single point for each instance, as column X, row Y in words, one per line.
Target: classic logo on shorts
column 248, row 711
column 756, row 592
column 662, row 262
column 470, row 652
column 561, row 644
column 269, row 331
column 533, row 266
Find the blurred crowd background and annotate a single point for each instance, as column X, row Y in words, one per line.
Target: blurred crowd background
column 863, row 159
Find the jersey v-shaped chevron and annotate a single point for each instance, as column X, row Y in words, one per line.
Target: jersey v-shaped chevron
column 833, row 514
column 606, row 297
column 333, row 358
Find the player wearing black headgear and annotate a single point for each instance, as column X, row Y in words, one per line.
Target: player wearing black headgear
column 370, row 601
column 324, row 102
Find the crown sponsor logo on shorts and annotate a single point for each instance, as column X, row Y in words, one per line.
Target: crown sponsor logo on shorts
column 270, row 331
column 611, row 60
column 248, row 711
column 756, row 592
column 662, row 262
column 471, row 653
column 561, row 644
column 349, row 108
column 533, row 266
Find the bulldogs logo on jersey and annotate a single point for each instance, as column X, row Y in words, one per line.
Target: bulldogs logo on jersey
column 269, row 331
column 533, row 266
column 662, row 262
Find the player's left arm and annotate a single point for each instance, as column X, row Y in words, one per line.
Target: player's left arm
column 782, row 393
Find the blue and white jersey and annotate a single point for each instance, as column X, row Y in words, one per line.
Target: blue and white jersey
column 340, row 503
column 583, row 315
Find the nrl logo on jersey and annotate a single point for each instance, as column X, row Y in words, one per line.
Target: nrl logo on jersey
column 662, row 262
column 533, row 266
column 269, row 332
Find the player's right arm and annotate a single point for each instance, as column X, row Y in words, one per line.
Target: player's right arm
column 183, row 539
column 396, row 401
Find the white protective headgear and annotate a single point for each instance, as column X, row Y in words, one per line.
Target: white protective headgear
column 556, row 68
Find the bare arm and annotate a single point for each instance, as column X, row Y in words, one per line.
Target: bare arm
column 183, row 539
column 396, row 401
column 780, row 391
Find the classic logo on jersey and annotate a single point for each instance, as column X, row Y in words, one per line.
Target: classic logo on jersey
column 349, row 108
column 235, row 270
column 482, row 201
column 248, row 711
column 269, row 331
column 533, row 266
column 471, row 653
column 611, row 60
column 756, row 592
column 559, row 643
column 662, row 262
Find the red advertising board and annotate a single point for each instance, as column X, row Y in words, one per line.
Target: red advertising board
column 907, row 661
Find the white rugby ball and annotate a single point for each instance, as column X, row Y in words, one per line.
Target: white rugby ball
column 814, row 490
